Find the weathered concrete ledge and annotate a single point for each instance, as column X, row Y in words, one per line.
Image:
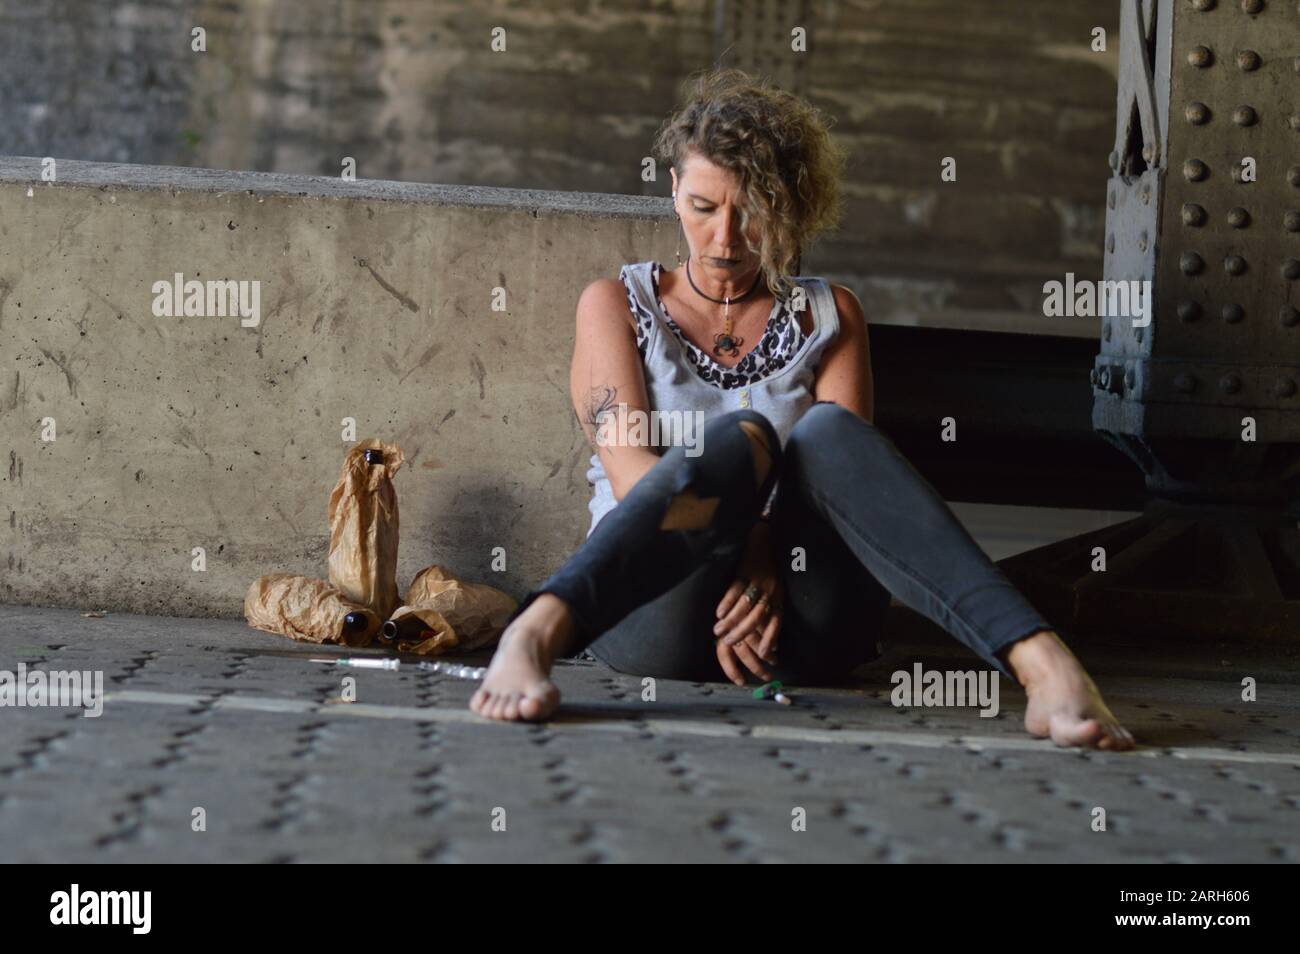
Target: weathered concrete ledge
column 134, row 178
column 177, row 433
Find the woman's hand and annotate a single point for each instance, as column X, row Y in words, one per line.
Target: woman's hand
column 747, row 631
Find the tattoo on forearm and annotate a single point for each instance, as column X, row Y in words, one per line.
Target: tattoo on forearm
column 601, row 400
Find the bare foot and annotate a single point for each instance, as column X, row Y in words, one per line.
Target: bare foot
column 517, row 685
column 1064, row 702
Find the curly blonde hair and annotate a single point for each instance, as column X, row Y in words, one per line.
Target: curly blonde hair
column 780, row 148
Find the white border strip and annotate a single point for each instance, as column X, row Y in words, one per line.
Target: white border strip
column 687, row 727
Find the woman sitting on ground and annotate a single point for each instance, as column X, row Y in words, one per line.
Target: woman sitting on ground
column 773, row 550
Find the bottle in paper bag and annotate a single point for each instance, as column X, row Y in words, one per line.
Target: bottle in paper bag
column 463, row 616
column 307, row 609
column 415, row 629
column 363, row 527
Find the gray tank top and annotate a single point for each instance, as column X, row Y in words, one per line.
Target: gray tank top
column 673, row 383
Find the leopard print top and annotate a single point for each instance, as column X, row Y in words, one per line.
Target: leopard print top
column 780, row 342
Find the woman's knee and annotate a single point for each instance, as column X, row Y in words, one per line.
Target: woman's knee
column 825, row 420
column 758, row 454
column 722, row 468
column 764, row 441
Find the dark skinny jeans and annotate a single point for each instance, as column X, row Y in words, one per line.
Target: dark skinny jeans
column 866, row 526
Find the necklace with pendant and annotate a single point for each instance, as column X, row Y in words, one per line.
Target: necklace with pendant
column 724, row 342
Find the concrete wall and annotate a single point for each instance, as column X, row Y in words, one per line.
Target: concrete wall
column 414, row 92
column 174, row 433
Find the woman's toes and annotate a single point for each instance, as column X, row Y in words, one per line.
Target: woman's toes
column 1077, row 732
column 1113, row 739
column 510, row 708
column 535, row 704
column 539, row 703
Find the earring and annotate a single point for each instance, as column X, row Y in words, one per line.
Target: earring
column 680, row 230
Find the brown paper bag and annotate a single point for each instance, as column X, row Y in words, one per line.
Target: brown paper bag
column 307, row 609
column 475, row 613
column 363, row 528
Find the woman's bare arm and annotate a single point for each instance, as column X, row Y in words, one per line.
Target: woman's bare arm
column 844, row 375
column 607, row 372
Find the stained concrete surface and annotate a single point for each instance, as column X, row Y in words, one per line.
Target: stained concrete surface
column 210, row 714
column 436, row 317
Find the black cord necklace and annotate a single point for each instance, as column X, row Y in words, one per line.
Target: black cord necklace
column 724, row 342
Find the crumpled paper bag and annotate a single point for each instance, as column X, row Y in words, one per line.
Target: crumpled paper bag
column 363, row 528
column 459, row 616
column 306, row 609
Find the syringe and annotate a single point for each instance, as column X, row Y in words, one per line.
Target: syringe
column 389, row 663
